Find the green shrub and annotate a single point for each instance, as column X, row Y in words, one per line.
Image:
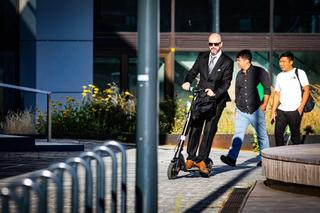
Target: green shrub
column 172, row 116
column 101, row 114
column 108, row 113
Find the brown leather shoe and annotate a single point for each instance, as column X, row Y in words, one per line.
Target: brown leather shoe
column 189, row 164
column 202, row 167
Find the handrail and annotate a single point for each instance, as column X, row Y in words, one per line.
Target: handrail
column 48, row 93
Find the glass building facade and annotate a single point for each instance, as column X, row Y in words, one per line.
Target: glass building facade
column 267, row 27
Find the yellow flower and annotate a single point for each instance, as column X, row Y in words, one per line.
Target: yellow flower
column 108, row 91
column 96, row 90
column 91, row 85
column 128, row 93
column 84, row 94
column 84, row 87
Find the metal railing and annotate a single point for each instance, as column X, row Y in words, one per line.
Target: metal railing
column 48, row 93
column 31, row 194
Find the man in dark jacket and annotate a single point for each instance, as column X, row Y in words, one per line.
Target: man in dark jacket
column 250, row 109
column 215, row 69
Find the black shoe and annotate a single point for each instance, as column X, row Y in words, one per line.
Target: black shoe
column 259, row 164
column 228, row 160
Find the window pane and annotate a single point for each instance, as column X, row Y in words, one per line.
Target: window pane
column 119, row 15
column 192, row 16
column 132, row 76
column 9, row 56
column 106, row 70
column 161, row 78
column 297, row 16
column 244, row 16
column 165, row 15
column 9, row 26
column 307, row 61
column 183, row 63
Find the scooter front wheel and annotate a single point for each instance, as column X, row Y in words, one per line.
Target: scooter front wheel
column 173, row 170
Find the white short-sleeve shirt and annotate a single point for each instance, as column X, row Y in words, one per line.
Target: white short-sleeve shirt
column 290, row 92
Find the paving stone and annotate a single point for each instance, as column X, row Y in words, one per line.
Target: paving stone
column 185, row 194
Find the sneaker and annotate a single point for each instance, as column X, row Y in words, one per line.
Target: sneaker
column 259, row 164
column 189, row 164
column 228, row 160
column 202, row 167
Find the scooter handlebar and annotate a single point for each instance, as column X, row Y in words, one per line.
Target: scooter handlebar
column 196, row 91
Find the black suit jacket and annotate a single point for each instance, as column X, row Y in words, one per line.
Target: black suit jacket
column 218, row 80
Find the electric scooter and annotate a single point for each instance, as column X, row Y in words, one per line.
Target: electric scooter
column 177, row 163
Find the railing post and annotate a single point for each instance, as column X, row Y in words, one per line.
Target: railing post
column 49, row 136
column 48, row 93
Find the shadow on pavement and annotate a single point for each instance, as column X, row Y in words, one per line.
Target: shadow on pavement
column 203, row 203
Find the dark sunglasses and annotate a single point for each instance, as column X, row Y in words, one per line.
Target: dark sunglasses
column 214, row 44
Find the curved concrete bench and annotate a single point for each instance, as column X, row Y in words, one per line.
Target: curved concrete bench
column 299, row 164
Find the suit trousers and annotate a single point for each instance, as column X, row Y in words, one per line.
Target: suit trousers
column 284, row 118
column 210, row 126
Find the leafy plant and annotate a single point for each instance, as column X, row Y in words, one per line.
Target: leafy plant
column 100, row 114
column 111, row 112
column 172, row 115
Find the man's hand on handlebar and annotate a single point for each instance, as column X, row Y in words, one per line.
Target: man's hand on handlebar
column 209, row 92
column 186, row 86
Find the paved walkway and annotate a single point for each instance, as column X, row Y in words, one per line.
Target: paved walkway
column 184, row 194
column 265, row 199
column 204, row 194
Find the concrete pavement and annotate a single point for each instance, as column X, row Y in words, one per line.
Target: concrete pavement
column 187, row 193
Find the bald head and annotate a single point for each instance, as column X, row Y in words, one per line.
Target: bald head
column 215, row 43
column 214, row 38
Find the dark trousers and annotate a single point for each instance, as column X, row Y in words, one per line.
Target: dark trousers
column 284, row 118
column 209, row 131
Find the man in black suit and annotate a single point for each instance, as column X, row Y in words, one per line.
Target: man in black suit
column 215, row 69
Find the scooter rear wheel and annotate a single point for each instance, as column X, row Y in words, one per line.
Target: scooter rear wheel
column 173, row 170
